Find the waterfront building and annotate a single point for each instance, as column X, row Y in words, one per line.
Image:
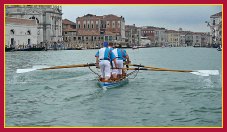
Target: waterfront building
column 69, row 34
column 215, row 25
column 173, row 38
column 133, row 35
column 145, row 42
column 20, row 33
column 182, row 38
column 200, row 39
column 149, row 33
column 92, row 30
column 47, row 17
column 160, row 37
column 205, row 39
column 189, row 38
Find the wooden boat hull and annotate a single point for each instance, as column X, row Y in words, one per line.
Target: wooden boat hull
column 113, row 84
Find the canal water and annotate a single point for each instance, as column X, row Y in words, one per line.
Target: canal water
column 71, row 97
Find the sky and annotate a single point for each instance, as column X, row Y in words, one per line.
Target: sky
column 171, row 17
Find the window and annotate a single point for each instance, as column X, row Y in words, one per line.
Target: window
column 118, row 24
column 113, row 24
column 12, row 32
column 28, row 32
column 37, row 20
column 214, row 22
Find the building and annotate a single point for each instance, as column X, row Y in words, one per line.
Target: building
column 133, row 35
column 182, row 38
column 160, row 37
column 69, row 33
column 173, row 38
column 215, row 25
column 20, row 33
column 149, row 33
column 92, row 30
column 200, row 39
column 189, row 38
column 47, row 17
column 145, row 42
column 205, row 39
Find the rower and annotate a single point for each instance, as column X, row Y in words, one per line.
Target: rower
column 119, row 53
column 103, row 58
column 126, row 60
column 110, row 46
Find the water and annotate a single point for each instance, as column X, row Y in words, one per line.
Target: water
column 71, row 97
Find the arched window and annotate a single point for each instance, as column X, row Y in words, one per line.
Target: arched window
column 214, row 22
column 37, row 20
column 12, row 32
column 28, row 32
column 34, row 18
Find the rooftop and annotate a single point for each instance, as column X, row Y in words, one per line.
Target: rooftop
column 217, row 15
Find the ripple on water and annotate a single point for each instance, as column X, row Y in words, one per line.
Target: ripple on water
column 207, row 109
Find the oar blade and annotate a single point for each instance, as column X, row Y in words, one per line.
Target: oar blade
column 34, row 68
column 25, row 70
column 205, row 72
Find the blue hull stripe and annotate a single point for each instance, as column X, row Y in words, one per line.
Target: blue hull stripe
column 113, row 84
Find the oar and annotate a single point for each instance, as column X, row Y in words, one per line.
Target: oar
column 137, row 65
column 196, row 72
column 54, row 67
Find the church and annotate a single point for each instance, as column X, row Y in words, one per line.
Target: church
column 33, row 25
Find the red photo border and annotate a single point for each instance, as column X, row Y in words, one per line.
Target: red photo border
column 2, row 54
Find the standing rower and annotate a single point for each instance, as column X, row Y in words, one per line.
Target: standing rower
column 119, row 53
column 103, row 58
column 126, row 59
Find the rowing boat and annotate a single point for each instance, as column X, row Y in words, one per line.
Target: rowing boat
column 113, row 84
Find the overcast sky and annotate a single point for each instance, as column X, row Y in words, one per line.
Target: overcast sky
column 190, row 18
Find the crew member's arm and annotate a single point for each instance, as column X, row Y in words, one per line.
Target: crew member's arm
column 115, row 63
column 113, row 57
column 128, row 61
column 97, row 62
column 126, row 57
column 97, row 59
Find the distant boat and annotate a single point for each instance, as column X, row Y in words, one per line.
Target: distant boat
column 9, row 49
column 196, row 45
column 134, row 47
column 31, row 49
column 77, row 48
column 219, row 48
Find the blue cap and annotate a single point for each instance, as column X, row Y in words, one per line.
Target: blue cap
column 105, row 44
